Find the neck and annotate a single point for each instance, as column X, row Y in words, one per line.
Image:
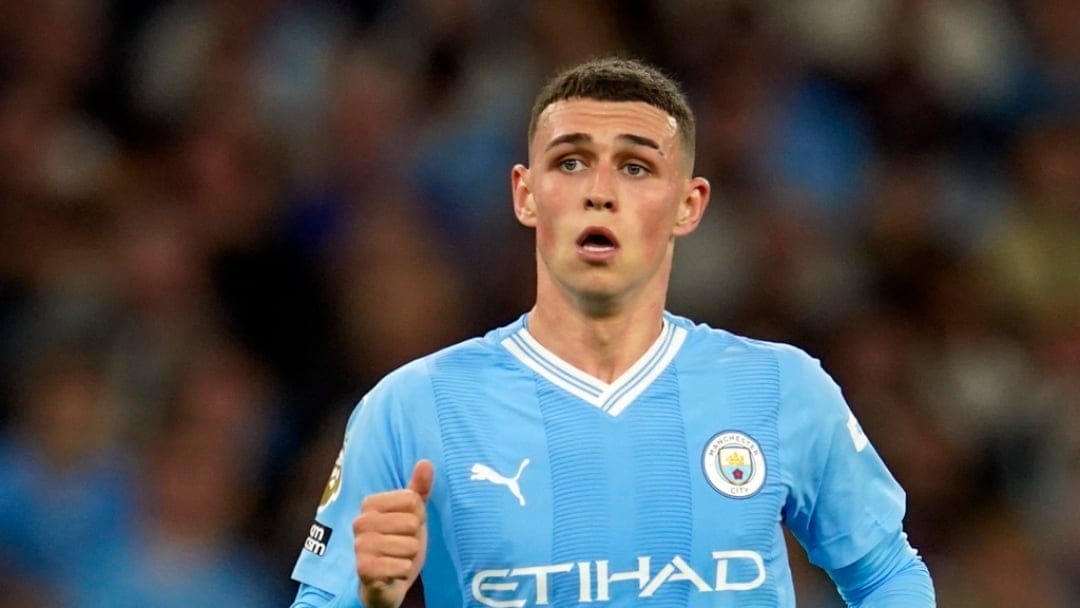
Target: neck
column 601, row 345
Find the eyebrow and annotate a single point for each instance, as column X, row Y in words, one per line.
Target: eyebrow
column 578, row 138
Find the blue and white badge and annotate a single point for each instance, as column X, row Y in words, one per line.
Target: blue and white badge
column 733, row 464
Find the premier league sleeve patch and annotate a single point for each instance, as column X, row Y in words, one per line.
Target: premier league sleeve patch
column 733, row 464
column 333, row 485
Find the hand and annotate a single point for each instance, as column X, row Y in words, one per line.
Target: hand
column 391, row 539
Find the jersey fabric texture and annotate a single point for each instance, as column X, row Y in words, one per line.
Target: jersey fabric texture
column 666, row 487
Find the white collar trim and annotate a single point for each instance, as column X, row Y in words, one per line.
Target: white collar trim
column 612, row 398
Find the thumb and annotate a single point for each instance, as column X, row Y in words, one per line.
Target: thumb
column 423, row 476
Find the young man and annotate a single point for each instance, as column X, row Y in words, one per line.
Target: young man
column 600, row 450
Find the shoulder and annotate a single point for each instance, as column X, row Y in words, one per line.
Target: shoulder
column 442, row 362
column 704, row 340
column 412, row 382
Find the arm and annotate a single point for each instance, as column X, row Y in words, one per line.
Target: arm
column 891, row 574
column 844, row 506
column 369, row 532
column 390, row 546
column 312, row 597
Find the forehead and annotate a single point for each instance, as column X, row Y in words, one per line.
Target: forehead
column 604, row 120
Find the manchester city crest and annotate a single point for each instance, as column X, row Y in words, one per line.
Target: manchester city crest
column 734, row 464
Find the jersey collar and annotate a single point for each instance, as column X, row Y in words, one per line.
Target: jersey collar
column 612, row 398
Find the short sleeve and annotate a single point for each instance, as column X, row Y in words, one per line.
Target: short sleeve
column 842, row 499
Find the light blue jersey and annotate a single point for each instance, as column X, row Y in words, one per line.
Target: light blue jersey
column 667, row 487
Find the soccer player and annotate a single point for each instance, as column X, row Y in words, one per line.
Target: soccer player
column 600, row 450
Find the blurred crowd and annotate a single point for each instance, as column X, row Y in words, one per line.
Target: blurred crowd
column 222, row 222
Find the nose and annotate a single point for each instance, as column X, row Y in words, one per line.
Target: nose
column 601, row 195
column 593, row 202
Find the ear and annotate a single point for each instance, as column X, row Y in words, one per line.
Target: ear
column 692, row 206
column 524, row 205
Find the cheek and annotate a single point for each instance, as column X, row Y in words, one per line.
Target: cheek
column 656, row 223
column 545, row 234
column 551, row 204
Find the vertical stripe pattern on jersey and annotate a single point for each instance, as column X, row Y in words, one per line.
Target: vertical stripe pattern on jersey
column 753, row 397
column 662, row 496
column 464, row 424
column 580, row 487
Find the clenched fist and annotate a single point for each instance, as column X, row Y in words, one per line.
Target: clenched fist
column 391, row 539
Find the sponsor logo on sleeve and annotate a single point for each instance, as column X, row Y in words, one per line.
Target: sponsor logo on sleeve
column 317, row 539
column 858, row 438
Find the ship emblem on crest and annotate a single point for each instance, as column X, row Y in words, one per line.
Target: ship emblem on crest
column 734, row 464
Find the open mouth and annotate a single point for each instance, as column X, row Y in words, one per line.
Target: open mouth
column 596, row 238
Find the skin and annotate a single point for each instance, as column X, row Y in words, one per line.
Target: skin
column 602, row 315
column 594, row 165
column 390, row 539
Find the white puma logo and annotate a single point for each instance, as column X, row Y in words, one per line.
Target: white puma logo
column 483, row 472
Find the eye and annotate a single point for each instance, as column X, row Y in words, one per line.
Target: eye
column 571, row 165
column 635, row 170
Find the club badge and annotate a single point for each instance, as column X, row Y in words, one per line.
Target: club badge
column 733, row 464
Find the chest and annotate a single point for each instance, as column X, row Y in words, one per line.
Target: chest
column 546, row 492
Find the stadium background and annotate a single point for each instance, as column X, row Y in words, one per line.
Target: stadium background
column 221, row 222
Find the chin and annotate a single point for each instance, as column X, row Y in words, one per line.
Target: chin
column 597, row 298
